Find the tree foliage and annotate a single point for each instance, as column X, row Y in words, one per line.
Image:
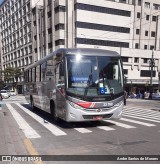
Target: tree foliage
column 11, row 75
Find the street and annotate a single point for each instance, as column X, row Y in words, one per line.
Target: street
column 27, row 132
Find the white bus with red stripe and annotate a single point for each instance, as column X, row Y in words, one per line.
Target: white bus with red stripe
column 77, row 84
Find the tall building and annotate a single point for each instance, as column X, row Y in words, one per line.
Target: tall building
column 130, row 27
column 16, row 34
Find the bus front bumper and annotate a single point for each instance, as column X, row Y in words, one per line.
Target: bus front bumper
column 81, row 115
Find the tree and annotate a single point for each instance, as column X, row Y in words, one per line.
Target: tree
column 11, row 75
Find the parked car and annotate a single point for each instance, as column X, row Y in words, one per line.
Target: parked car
column 4, row 94
column 13, row 93
column 9, row 93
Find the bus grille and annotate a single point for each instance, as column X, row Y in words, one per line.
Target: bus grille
column 91, row 116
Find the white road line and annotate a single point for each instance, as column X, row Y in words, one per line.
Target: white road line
column 52, row 128
column 121, row 124
column 105, row 128
column 141, row 118
column 148, row 115
column 137, row 122
column 26, row 128
column 83, row 130
column 142, row 111
column 142, row 115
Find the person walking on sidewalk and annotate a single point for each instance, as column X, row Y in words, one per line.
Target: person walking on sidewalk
column 1, row 98
column 125, row 97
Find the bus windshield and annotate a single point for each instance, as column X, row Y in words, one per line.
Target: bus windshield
column 94, row 75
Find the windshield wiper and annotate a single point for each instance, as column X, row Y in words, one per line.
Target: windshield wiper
column 88, row 83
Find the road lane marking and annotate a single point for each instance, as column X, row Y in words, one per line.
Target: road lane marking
column 139, row 110
column 23, row 125
column 106, row 128
column 137, row 122
column 141, row 118
column 52, row 128
column 121, row 124
column 83, row 130
column 143, row 114
column 31, row 150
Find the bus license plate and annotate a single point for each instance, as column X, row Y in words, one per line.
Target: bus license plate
column 98, row 118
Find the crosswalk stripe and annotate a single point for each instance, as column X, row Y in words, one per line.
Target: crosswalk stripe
column 142, row 115
column 106, row 128
column 27, row 129
column 52, row 128
column 141, row 118
column 120, row 124
column 83, row 130
column 137, row 122
column 142, row 110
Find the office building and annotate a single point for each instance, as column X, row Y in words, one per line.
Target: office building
column 130, row 27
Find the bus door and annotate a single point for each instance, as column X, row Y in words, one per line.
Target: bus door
column 60, row 90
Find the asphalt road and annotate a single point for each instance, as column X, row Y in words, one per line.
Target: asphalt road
column 28, row 133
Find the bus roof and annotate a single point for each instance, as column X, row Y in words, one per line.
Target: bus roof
column 74, row 51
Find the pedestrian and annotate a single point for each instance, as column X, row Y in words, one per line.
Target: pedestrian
column 1, row 100
column 125, row 97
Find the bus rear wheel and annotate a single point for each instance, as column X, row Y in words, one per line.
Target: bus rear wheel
column 53, row 112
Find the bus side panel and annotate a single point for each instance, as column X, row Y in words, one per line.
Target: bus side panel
column 60, row 103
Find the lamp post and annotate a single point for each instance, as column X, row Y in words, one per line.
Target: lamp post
column 151, row 64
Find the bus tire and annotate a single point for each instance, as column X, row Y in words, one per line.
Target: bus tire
column 53, row 112
column 32, row 103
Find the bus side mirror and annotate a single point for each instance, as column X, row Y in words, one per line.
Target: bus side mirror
column 61, row 71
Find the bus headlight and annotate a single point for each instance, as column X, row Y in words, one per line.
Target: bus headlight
column 74, row 105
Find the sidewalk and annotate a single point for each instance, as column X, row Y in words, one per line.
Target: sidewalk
column 11, row 137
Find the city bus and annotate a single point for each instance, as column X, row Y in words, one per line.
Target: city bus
column 77, row 84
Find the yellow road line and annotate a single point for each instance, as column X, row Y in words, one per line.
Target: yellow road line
column 30, row 148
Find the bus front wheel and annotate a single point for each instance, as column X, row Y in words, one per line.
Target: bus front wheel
column 53, row 112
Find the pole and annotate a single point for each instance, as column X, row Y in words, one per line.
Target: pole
column 151, row 65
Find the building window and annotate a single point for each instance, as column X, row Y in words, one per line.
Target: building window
column 98, row 27
column 151, row 47
column 99, row 9
column 156, row 6
column 59, row 42
column 146, row 33
column 122, row 1
column 49, row 30
column 147, row 73
column 138, row 15
column 49, row 14
column 147, row 17
column 147, row 5
column 102, row 42
column 137, row 31
column 59, row 26
column 136, row 45
column 154, row 18
column 139, row 2
column 145, row 60
column 136, row 60
column 125, row 71
column 60, row 9
column 124, row 59
column 145, row 47
column 153, row 34
column 50, row 45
